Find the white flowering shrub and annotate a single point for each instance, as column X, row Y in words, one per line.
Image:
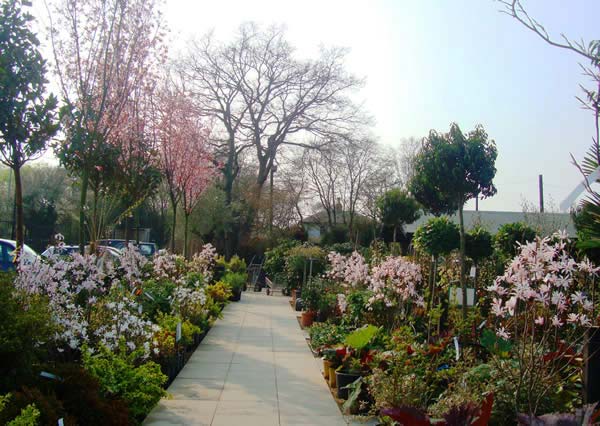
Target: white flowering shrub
column 396, row 282
column 131, row 265
column 189, row 303
column 351, row 271
column 164, row 265
column 73, row 288
column 540, row 309
column 204, row 261
column 542, row 288
column 119, row 320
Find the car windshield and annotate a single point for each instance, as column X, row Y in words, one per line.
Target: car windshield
column 146, row 249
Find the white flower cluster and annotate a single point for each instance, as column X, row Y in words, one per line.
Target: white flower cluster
column 187, row 300
column 72, row 288
column 394, row 281
column 132, row 263
column 165, row 265
column 542, row 279
column 352, row 271
column 123, row 322
column 204, row 261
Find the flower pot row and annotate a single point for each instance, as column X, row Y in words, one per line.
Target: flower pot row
column 172, row 365
column 338, row 379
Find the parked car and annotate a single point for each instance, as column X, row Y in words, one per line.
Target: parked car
column 7, row 254
column 145, row 248
column 60, row 251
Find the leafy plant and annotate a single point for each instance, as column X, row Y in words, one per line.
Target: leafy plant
column 510, row 234
column 169, row 322
column 140, row 387
column 361, row 337
column 220, row 292
column 235, row 280
column 29, row 416
column 25, row 330
column 326, row 334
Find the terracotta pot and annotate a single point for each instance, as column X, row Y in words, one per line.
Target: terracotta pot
column 326, row 366
column 307, row 318
column 332, row 381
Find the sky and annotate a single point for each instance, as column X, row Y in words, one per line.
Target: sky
column 428, row 63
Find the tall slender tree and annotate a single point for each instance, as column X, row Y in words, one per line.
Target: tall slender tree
column 450, row 169
column 185, row 159
column 27, row 115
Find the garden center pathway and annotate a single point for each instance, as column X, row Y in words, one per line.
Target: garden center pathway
column 253, row 368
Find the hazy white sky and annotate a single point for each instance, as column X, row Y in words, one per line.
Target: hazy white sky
column 428, row 63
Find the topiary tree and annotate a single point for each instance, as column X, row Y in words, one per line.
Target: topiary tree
column 397, row 208
column 510, row 234
column 437, row 237
column 478, row 246
column 450, row 169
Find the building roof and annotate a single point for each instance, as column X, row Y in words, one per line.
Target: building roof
column 492, row 220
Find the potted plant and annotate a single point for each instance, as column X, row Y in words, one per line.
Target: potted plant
column 311, row 297
column 355, row 359
column 236, row 281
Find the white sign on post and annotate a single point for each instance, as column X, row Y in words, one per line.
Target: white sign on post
column 456, row 296
column 473, row 272
column 178, row 332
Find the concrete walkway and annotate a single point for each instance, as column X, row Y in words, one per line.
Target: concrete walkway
column 253, row 368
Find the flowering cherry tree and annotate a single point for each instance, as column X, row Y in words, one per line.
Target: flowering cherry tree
column 103, row 51
column 186, row 162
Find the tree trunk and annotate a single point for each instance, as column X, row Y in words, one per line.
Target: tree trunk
column 82, row 201
column 185, row 235
column 174, row 205
column 463, row 282
column 19, row 230
column 395, row 230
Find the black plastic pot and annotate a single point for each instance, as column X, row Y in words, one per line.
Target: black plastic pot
column 343, row 380
column 236, row 296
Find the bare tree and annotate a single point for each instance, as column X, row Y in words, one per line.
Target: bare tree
column 264, row 98
column 324, row 170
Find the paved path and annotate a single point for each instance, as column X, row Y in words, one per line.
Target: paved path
column 253, row 368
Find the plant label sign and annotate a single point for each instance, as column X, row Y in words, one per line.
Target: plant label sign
column 456, row 296
column 178, row 332
column 473, row 271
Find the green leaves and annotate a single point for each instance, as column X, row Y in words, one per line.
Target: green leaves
column 495, row 344
column 361, row 337
column 452, row 168
column 438, row 236
column 140, row 387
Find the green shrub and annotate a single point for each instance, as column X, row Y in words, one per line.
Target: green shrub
column 29, row 416
column 510, row 234
column 235, row 280
column 26, row 326
column 298, row 262
column 275, row 258
column 169, row 322
column 327, row 334
column 157, row 298
column 140, row 387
